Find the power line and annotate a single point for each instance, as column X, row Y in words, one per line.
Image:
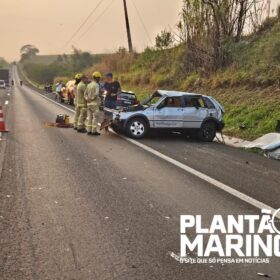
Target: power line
column 97, row 19
column 82, row 25
column 142, row 22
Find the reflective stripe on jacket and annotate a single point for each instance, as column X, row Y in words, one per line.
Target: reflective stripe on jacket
column 80, row 95
column 92, row 93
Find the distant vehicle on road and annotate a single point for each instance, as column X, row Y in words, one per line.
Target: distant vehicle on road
column 48, row 88
column 172, row 110
column 2, row 84
column 5, row 76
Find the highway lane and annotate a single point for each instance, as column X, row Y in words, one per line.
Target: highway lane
column 249, row 173
column 76, row 207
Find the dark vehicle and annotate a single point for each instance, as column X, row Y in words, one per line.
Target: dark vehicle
column 48, row 88
column 5, row 76
column 126, row 99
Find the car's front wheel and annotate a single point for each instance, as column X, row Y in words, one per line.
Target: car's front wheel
column 136, row 128
column 207, row 132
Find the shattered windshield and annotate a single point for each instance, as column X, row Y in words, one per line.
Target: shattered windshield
column 152, row 99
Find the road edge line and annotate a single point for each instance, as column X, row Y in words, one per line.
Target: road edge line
column 204, row 177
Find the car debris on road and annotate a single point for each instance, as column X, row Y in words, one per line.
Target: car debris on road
column 269, row 143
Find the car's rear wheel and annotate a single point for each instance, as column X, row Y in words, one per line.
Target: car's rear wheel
column 137, row 128
column 207, row 132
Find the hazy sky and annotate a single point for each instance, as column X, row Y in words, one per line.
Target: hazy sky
column 49, row 24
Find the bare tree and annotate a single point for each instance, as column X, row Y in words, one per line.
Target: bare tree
column 206, row 24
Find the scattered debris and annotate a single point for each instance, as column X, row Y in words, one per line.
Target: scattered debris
column 269, row 143
column 106, row 218
column 8, row 196
column 59, row 125
column 274, row 154
column 264, row 275
column 124, row 178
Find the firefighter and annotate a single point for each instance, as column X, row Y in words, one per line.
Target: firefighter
column 77, row 81
column 92, row 96
column 80, row 105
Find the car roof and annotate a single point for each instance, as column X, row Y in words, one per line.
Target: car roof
column 176, row 93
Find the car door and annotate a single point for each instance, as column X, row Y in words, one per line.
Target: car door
column 169, row 113
column 194, row 112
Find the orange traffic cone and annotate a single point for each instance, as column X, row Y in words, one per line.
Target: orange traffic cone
column 2, row 123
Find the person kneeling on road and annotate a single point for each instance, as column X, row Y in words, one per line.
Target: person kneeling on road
column 81, row 106
column 93, row 103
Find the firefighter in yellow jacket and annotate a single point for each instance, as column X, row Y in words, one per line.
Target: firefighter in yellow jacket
column 93, row 103
column 80, row 106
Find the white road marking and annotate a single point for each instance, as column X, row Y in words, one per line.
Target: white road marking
column 258, row 204
column 205, row 177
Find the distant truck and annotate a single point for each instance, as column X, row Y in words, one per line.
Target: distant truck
column 5, row 76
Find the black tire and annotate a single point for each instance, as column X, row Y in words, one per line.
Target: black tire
column 136, row 128
column 207, row 132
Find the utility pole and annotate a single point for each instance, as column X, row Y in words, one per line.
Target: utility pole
column 268, row 8
column 130, row 47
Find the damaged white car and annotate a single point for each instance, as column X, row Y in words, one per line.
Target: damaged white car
column 171, row 110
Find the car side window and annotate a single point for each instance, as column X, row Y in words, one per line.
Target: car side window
column 209, row 103
column 173, row 102
column 197, row 102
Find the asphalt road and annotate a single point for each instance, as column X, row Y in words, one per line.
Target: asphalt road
column 78, row 207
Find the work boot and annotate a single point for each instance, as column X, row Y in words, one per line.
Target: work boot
column 95, row 133
column 82, row 130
